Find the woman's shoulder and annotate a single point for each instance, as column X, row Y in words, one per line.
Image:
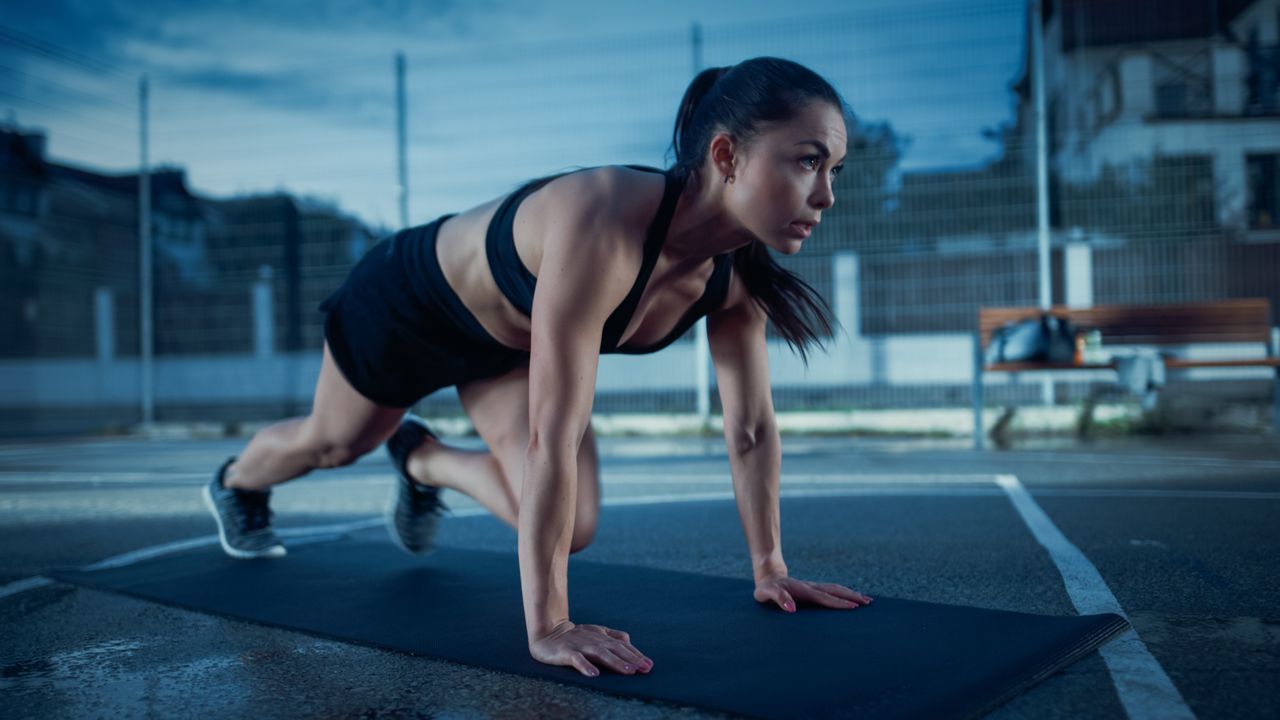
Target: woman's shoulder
column 618, row 195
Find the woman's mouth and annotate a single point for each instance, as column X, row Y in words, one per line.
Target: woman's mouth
column 800, row 229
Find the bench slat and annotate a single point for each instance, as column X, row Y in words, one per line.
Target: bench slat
column 1171, row 363
column 1241, row 320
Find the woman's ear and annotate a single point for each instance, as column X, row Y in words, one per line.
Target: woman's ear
column 723, row 151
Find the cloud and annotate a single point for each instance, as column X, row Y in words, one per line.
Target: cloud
column 133, row 33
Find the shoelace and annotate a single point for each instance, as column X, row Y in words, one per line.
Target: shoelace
column 251, row 510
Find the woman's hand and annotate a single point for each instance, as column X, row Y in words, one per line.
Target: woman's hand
column 580, row 645
column 785, row 591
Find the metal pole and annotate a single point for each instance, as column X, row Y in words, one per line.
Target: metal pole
column 1042, row 175
column 1042, row 156
column 979, row 361
column 403, row 187
column 701, row 348
column 144, row 266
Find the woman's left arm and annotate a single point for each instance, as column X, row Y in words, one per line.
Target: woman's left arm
column 736, row 335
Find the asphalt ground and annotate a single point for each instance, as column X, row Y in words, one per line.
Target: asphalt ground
column 1179, row 534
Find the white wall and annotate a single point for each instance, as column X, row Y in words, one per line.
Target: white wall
column 909, row 359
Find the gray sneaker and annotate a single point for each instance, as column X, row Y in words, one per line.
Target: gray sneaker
column 415, row 511
column 244, row 519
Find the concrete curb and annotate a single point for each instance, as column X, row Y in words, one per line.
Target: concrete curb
column 926, row 422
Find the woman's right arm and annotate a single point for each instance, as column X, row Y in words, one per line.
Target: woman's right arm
column 581, row 279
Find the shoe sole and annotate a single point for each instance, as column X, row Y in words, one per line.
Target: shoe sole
column 389, row 515
column 271, row 552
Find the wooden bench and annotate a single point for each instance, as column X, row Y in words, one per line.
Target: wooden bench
column 1223, row 321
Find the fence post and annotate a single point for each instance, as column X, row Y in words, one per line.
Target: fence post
column 263, row 321
column 1078, row 259
column 104, row 323
column 845, row 280
column 976, row 394
column 1275, row 397
column 701, row 372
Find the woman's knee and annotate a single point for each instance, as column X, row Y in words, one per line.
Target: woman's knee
column 333, row 455
column 587, row 514
column 583, row 534
column 329, row 452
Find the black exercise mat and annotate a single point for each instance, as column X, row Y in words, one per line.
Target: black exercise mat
column 712, row 645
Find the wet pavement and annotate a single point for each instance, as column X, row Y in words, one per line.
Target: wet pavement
column 1180, row 529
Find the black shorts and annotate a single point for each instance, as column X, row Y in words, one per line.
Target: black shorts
column 398, row 332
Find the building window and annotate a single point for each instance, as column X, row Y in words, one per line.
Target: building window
column 1183, row 83
column 1263, row 172
column 1263, row 80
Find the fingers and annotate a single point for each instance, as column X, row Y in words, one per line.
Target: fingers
column 618, row 634
column 623, row 647
column 613, row 658
column 603, row 648
column 812, row 594
column 841, row 591
column 583, row 665
column 637, row 659
column 825, row 594
column 784, row 600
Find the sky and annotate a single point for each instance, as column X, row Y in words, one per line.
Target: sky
column 299, row 95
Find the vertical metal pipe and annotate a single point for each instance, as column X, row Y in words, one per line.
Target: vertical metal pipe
column 1042, row 175
column 144, row 265
column 1275, row 397
column 1042, row 155
column 976, row 395
column 401, row 143
column 701, row 348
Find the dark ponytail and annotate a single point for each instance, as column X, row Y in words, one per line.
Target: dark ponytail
column 741, row 100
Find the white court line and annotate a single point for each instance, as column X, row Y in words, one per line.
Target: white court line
column 983, row 479
column 10, row 477
column 1143, row 460
column 318, row 533
column 23, row 585
column 889, row 485
column 1144, row 689
column 1137, row 493
column 609, row 478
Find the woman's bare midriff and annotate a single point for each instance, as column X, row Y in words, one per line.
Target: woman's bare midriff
column 460, row 248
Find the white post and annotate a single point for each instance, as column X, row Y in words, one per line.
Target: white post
column 702, row 371
column 104, row 324
column 845, row 272
column 264, row 342
column 1079, row 271
column 144, row 265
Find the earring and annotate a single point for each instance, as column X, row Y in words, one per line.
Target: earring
column 728, row 179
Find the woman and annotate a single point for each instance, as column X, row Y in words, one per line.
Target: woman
column 624, row 259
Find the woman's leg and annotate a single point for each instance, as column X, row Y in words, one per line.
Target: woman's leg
column 499, row 410
column 343, row 425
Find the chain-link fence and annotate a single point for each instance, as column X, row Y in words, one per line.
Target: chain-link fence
column 1161, row 148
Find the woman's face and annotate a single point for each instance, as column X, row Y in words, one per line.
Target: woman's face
column 783, row 176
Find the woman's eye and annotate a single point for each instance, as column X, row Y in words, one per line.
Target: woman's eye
column 812, row 158
column 836, row 170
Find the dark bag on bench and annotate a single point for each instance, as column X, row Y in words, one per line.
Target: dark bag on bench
column 1046, row 338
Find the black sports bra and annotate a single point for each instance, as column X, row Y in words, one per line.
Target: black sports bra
column 517, row 283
